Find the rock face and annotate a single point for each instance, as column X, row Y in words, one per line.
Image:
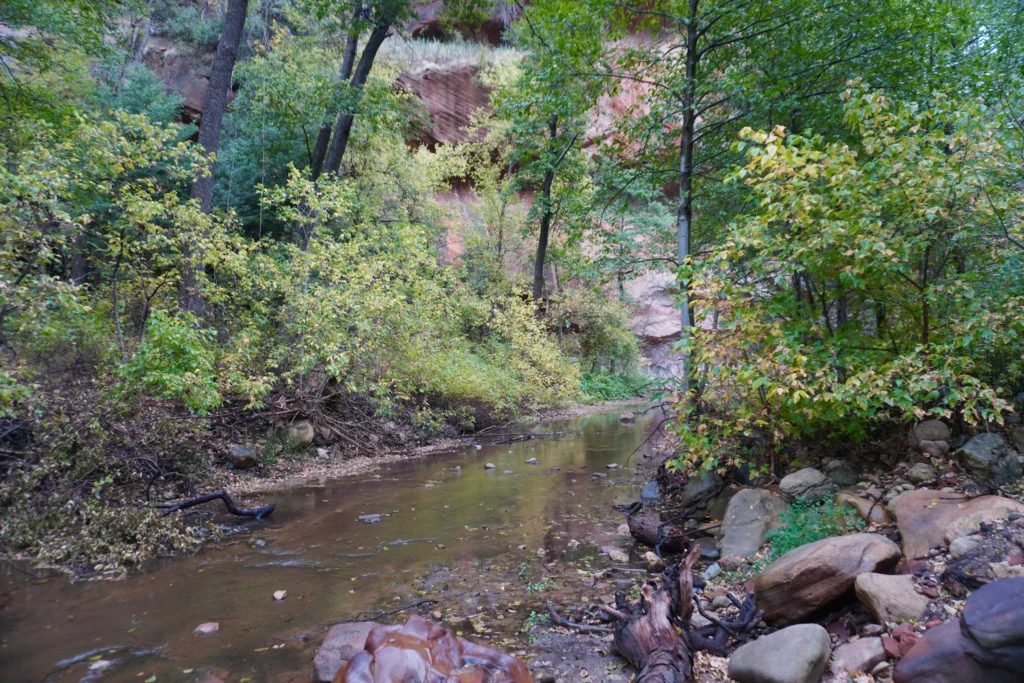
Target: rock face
column 749, row 516
column 809, row 578
column 861, row 655
column 452, row 95
column 931, row 430
column 869, row 511
column 985, row 646
column 923, row 515
column 798, row 654
column 890, row 598
column 989, row 459
column 808, row 484
column 994, row 619
column 342, row 643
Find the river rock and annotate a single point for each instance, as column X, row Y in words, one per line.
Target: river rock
column 618, row 556
column 841, row 474
column 206, row 629
column 963, row 546
column 890, row 598
column 994, row 618
column 988, row 458
column 923, row 515
column 533, row 461
column 808, row 484
column 748, row 517
column 651, row 492
column 654, row 564
column 921, row 473
column 875, row 513
column 1017, row 437
column 861, row 655
column 798, row 654
column 298, row 434
column 627, row 418
column 490, row 466
column 699, row 487
column 809, row 578
column 945, row 655
column 930, row 430
column 934, row 449
column 341, row 644
column 241, row 457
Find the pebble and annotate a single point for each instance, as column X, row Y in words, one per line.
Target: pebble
column 436, row 615
column 370, row 519
column 531, row 461
column 101, row 665
column 613, row 465
column 207, row 628
column 721, row 602
column 712, row 571
column 490, row 466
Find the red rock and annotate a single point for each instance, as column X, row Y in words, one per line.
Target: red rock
column 930, row 592
column 923, row 515
column 891, row 646
column 932, row 623
column 451, row 96
column 1015, row 559
column 914, row 567
column 908, row 641
column 945, row 655
column 902, row 630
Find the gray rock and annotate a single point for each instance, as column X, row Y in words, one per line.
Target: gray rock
column 963, row 546
column 934, row 449
column 370, row 519
column 931, row 430
column 712, row 571
column 921, row 473
column 890, row 598
column 798, row 654
column 342, row 643
column 721, row 602
column 993, row 617
column 490, row 466
column 989, row 459
column 808, row 484
column 749, row 517
column 533, row 461
column 842, row 474
column 652, row 491
column 862, row 655
column 698, row 488
column 627, row 418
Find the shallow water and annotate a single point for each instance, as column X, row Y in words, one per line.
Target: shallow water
column 453, row 537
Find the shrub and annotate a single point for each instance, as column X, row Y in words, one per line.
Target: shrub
column 804, row 523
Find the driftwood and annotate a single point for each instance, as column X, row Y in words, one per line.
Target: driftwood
column 656, row 635
column 650, row 530
column 258, row 513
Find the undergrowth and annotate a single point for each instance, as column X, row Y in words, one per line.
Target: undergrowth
column 803, row 522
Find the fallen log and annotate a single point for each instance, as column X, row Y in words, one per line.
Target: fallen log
column 650, row 530
column 656, row 635
column 257, row 513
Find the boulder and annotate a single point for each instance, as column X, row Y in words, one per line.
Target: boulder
column 971, row 522
column 842, row 474
column 988, row 458
column 921, row 473
column 748, row 517
column 1017, row 437
column 809, row 578
column 945, row 655
column 798, row 654
column 994, row 618
column 808, row 484
column 698, row 488
column 861, row 655
column 930, row 430
column 298, row 434
column 965, row 545
column 874, row 513
column 890, row 598
column 341, row 644
column 651, row 491
column 241, row 457
column 627, row 418
column 923, row 515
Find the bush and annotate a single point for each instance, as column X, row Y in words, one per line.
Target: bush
column 603, row 386
column 189, row 25
column 804, row 523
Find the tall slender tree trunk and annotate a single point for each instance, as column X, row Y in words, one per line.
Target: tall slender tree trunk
column 684, row 218
column 545, row 215
column 323, row 137
column 343, row 129
column 190, row 297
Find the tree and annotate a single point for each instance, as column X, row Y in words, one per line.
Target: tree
column 189, row 292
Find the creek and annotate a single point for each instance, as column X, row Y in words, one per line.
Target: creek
column 478, row 543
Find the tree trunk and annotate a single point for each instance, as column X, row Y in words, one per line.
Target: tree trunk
column 323, row 137
column 189, row 297
column 545, row 216
column 684, row 218
column 362, row 72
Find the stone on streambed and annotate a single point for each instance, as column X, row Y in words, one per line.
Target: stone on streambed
column 798, row 654
column 994, row 618
column 751, row 513
column 861, row 655
column 923, row 516
column 989, row 459
column 651, row 492
column 808, row 579
column 241, row 457
column 921, row 473
column 807, row 484
column 206, row 628
column 890, row 598
column 945, row 655
column 699, row 487
column 341, row 644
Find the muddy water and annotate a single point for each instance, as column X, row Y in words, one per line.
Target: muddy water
column 477, row 541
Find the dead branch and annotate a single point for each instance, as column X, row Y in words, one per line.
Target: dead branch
column 258, row 513
column 559, row 620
